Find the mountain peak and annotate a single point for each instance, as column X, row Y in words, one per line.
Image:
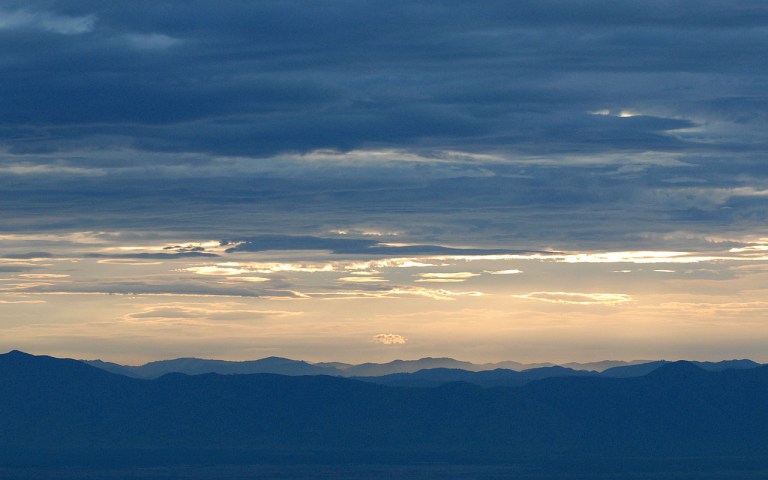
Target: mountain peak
column 680, row 368
column 17, row 356
column 17, row 353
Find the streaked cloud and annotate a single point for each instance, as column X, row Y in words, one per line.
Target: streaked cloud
column 216, row 270
column 363, row 279
column 234, row 268
column 343, row 245
column 214, row 312
column 448, row 277
column 249, row 279
column 151, row 41
column 136, row 288
column 578, row 298
column 512, row 271
column 729, row 309
column 62, row 24
column 401, row 291
column 44, row 275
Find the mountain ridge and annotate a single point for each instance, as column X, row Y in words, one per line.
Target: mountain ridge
column 680, row 409
column 287, row 366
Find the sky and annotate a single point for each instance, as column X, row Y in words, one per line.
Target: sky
column 356, row 180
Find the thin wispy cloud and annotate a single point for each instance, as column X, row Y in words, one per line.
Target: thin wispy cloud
column 47, row 21
column 578, row 298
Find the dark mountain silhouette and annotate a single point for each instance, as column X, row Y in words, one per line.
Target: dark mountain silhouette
column 502, row 377
column 727, row 365
column 646, row 368
column 487, row 378
column 57, row 405
column 127, row 370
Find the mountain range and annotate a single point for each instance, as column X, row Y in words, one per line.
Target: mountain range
column 287, row 366
column 68, row 411
column 422, row 372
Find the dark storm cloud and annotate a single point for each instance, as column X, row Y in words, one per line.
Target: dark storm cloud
column 592, row 123
column 259, row 78
column 617, row 205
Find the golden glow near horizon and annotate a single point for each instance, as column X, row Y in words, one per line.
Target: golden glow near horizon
column 322, row 306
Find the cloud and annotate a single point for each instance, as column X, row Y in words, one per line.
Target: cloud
column 578, row 298
column 513, row 271
column 21, row 302
column 61, row 24
column 755, row 309
column 355, row 86
column 135, row 288
column 50, row 170
column 249, row 279
column 346, row 246
column 44, row 275
column 151, row 256
column 382, row 290
column 10, row 268
column 170, row 312
column 389, row 339
column 214, row 312
column 363, row 280
column 28, row 256
column 126, row 261
column 151, row 41
column 446, row 277
column 438, row 294
column 216, row 270
column 651, row 257
column 237, row 268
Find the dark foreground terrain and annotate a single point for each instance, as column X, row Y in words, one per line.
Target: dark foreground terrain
column 635, row 469
column 64, row 419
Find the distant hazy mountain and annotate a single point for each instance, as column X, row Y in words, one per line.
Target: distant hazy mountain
column 502, row 377
column 603, row 365
column 645, row 368
column 404, row 366
column 286, row 366
column 197, row 366
column 70, row 410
